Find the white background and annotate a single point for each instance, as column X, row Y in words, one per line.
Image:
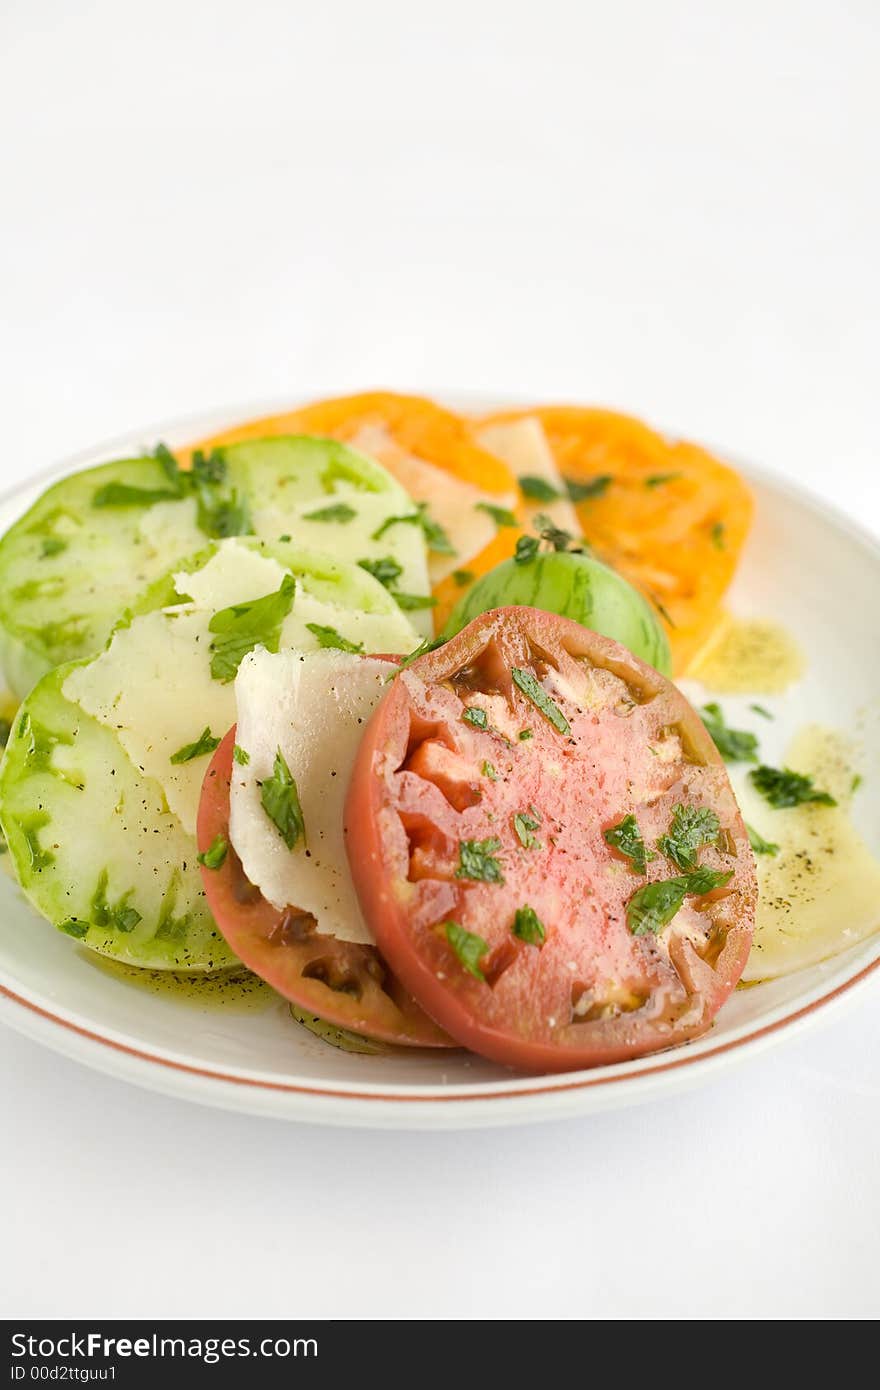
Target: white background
column 669, row 207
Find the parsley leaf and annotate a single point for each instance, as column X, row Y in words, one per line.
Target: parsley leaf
column 595, row 487
column 524, row 734
column 468, row 947
column 215, row 855
column 691, row 828
column 759, row 844
column 125, row 495
column 476, row 860
column 240, row 755
column 658, row 479
column 554, row 535
column 205, row 743
column 246, row 625
column 336, row 511
column 502, row 516
column 476, row 716
column 52, row 545
column 220, row 516
column 435, row 536
column 430, row 644
column 210, row 469
column 489, row 771
column 329, row 637
column 716, row 535
column 535, row 692
column 280, row 800
column 463, row 577
column 526, row 549
column 762, row 710
column 74, row 927
column 782, row 787
column 537, row 489
column 387, row 570
column 653, row 907
column 525, row 823
column 626, row 838
column 528, row 926
column 734, row 745
column 410, row 602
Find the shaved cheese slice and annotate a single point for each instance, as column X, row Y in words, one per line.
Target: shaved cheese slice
column 311, row 707
column 454, row 504
column 153, row 685
column 522, row 444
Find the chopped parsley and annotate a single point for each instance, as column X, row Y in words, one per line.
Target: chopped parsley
column 429, row 644
column 280, row 800
column 526, row 549
column 653, row 907
column 524, row 734
column 734, row 745
column 205, row 743
column 759, row 844
column 762, row 710
column 463, row 577
column 52, row 545
column 336, row 511
column 716, row 535
column 594, row 487
column 658, row 479
column 553, row 535
column 386, row 570
column 209, row 469
column 477, row 860
column 468, row 947
column 528, row 927
column 502, row 516
column 436, row 538
column 126, row 495
column 782, row 787
column 626, row 838
column 240, row 755
column 215, row 855
column 854, row 785
column 329, row 637
column 691, row 828
column 538, row 489
column 75, row 927
column 489, row 771
column 410, row 602
column 243, row 626
column 220, row 517
column 219, row 514
column 525, row 823
column 476, row 716
column 535, row 692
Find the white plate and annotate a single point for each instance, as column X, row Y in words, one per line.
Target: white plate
column 811, row 569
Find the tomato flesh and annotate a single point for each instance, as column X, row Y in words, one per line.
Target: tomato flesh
column 451, row 817
column 346, row 984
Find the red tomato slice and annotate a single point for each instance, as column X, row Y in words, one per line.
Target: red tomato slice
column 454, row 818
column 344, row 983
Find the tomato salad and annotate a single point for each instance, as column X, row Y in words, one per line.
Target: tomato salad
column 509, row 832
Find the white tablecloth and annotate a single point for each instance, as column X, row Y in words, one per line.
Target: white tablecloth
column 668, row 208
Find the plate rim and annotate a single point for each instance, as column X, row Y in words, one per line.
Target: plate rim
column 206, row 1084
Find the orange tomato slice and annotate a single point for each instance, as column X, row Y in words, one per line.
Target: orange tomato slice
column 432, row 452
column 671, row 518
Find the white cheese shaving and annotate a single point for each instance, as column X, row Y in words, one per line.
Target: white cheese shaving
column 313, row 708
